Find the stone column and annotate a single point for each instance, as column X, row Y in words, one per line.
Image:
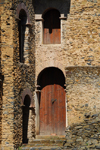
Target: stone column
column 63, row 29
column 31, row 124
column 26, row 46
column 39, row 21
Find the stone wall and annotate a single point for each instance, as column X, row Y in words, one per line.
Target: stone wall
column 7, row 66
column 80, row 38
column 82, row 46
column 52, row 55
column 17, row 76
column 24, row 74
column 82, row 92
column 83, row 108
column 84, row 135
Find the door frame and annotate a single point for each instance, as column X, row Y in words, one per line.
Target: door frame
column 37, row 105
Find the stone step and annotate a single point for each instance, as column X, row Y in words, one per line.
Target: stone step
column 50, row 137
column 41, row 148
column 45, row 142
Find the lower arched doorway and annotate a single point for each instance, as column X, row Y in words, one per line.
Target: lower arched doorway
column 52, row 110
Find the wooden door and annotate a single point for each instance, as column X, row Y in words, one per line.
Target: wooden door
column 52, row 103
column 52, row 31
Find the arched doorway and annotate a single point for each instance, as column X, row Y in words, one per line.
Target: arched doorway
column 51, row 27
column 52, row 111
column 27, row 102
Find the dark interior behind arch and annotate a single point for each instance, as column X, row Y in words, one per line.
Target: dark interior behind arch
column 62, row 5
column 55, row 74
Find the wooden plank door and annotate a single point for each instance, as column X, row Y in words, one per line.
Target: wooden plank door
column 52, row 103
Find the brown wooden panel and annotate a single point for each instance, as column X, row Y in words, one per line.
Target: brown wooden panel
column 52, row 103
column 52, row 31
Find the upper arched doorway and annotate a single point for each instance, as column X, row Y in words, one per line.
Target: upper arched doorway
column 51, row 27
column 52, row 102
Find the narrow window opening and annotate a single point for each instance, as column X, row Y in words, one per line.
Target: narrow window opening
column 22, row 28
column 51, row 27
column 27, row 102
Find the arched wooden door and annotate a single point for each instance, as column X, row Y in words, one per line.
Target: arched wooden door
column 52, row 102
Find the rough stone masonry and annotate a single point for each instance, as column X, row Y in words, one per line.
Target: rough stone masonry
column 18, row 77
column 78, row 57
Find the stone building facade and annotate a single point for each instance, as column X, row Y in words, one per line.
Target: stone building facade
column 37, row 76
column 19, row 77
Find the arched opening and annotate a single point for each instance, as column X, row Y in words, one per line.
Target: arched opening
column 51, row 27
column 27, row 102
column 52, row 107
column 22, row 28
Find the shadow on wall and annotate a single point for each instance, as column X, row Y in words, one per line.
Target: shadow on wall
column 62, row 6
column 1, row 109
column 0, row 90
column 25, row 109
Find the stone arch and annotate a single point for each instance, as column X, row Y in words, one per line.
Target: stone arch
column 23, row 95
column 44, row 70
column 52, row 63
column 27, row 115
column 19, row 8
